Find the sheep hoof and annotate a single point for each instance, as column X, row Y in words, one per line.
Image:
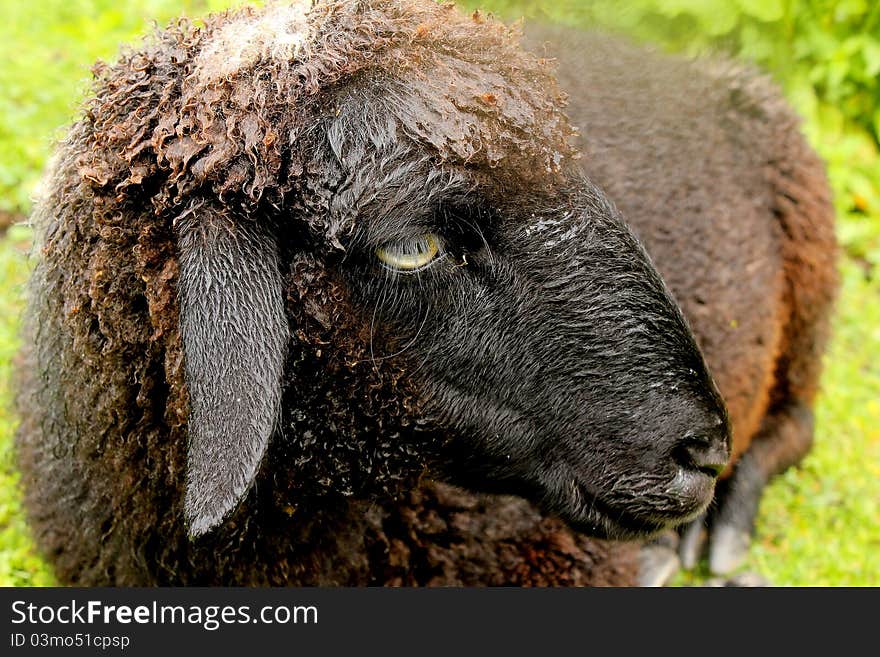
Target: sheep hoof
column 728, row 549
column 693, row 540
column 657, row 565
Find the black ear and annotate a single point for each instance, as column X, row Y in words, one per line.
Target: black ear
column 235, row 334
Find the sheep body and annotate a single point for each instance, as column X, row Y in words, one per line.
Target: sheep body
column 102, row 444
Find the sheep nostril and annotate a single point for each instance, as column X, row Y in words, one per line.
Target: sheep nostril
column 704, row 454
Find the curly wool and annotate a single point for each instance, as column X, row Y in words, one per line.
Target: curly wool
column 221, row 106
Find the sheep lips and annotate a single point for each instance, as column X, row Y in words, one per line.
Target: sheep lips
column 552, row 356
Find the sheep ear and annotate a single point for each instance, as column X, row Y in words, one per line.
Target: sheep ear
column 235, row 335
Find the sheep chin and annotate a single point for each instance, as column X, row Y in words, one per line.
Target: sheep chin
column 641, row 513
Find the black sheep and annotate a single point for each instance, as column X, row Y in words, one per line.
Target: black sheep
column 299, row 262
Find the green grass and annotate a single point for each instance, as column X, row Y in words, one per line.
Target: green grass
column 818, row 523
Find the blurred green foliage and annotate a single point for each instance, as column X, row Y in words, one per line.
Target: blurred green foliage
column 818, row 524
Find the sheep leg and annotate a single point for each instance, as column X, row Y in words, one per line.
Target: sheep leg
column 783, row 441
column 658, row 560
column 662, row 557
column 693, row 541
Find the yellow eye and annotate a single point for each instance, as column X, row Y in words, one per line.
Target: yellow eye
column 411, row 254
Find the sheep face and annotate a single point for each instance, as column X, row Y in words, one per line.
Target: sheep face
column 388, row 264
column 545, row 353
column 509, row 342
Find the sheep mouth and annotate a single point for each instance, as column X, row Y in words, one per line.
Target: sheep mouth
column 638, row 516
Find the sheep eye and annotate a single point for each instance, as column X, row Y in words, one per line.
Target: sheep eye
column 411, row 254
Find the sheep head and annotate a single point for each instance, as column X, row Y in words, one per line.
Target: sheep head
column 389, row 264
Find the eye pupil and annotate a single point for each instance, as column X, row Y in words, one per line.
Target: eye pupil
column 410, row 254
